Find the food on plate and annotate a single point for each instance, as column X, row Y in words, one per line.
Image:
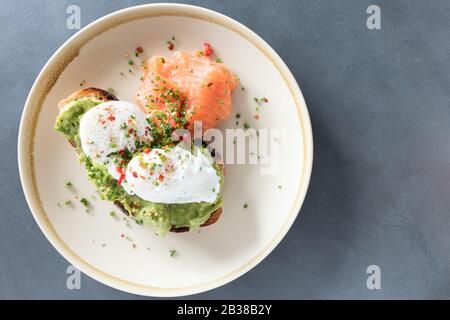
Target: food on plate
column 173, row 175
column 128, row 150
column 187, row 87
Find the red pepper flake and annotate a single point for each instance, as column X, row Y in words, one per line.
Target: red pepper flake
column 122, row 162
column 170, row 45
column 161, row 177
column 207, row 49
column 121, row 152
column 139, row 50
column 209, row 85
column 146, row 150
column 135, row 174
column 122, row 175
column 122, row 235
column 265, row 100
column 134, row 246
column 256, row 117
column 173, row 123
column 130, row 131
column 111, row 117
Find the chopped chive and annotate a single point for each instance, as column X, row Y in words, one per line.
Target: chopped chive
column 173, row 253
column 245, row 205
column 84, row 202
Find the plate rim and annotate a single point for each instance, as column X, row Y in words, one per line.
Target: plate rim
column 49, row 75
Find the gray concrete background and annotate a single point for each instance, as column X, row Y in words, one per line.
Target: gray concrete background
column 380, row 188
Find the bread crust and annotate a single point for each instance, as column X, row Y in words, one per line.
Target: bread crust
column 91, row 92
column 104, row 95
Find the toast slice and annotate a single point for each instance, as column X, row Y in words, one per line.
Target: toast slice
column 104, row 96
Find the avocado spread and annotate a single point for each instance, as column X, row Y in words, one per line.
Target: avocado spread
column 159, row 216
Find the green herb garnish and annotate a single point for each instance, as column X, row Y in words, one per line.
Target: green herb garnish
column 84, row 202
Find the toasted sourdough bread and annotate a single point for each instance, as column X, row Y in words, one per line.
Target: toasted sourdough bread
column 103, row 95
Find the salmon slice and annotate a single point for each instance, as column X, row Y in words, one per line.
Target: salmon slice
column 188, row 83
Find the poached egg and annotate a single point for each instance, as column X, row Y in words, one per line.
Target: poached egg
column 110, row 127
column 173, row 176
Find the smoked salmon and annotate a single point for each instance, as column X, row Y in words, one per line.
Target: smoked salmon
column 187, row 87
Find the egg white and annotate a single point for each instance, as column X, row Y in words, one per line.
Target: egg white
column 173, row 176
column 103, row 132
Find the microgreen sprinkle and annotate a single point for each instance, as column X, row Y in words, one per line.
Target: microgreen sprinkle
column 173, row 253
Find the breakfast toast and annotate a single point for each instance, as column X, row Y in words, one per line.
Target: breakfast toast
column 104, row 96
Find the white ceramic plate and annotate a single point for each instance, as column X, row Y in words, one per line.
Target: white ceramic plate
column 217, row 254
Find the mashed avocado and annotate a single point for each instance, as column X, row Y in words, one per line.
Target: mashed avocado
column 160, row 216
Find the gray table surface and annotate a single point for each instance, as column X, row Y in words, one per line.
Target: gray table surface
column 380, row 188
